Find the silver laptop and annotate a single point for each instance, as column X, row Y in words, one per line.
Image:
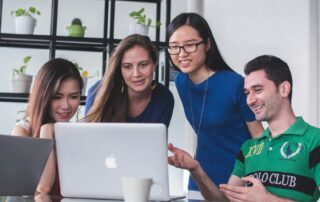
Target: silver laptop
column 22, row 160
column 92, row 158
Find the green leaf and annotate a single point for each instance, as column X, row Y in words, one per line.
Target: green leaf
column 158, row 24
column 20, row 12
column 26, row 59
column 23, row 12
column 149, row 22
column 141, row 18
column 78, row 66
column 140, row 11
column 32, row 9
column 133, row 14
column 23, row 69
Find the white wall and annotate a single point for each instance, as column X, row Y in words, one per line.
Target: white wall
column 245, row 29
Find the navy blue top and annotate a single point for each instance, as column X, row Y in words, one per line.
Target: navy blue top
column 159, row 109
column 223, row 127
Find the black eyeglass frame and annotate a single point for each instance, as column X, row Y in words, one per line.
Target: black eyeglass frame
column 183, row 47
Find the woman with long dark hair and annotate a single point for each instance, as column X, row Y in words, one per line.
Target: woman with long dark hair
column 212, row 96
column 55, row 97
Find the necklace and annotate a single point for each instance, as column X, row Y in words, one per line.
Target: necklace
column 202, row 108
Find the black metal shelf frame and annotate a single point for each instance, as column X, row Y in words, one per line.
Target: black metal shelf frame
column 23, row 97
column 53, row 42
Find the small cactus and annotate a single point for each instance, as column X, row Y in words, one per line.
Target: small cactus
column 76, row 21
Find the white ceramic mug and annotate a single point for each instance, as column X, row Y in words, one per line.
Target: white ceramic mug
column 136, row 189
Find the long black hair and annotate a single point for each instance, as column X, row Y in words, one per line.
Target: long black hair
column 214, row 59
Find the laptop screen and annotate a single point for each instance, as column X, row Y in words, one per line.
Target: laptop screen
column 22, row 161
column 92, row 158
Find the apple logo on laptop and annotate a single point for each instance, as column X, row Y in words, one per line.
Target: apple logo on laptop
column 111, row 162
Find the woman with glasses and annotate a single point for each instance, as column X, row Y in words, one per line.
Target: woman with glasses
column 212, row 96
column 127, row 91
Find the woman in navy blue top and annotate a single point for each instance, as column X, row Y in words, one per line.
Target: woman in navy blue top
column 212, row 96
column 127, row 92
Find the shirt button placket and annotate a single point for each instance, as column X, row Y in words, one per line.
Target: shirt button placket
column 269, row 142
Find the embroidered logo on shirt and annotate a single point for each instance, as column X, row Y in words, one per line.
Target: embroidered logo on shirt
column 289, row 150
column 255, row 150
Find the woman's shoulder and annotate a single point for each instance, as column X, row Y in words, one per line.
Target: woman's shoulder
column 21, row 128
column 181, row 77
column 94, row 86
column 162, row 94
column 230, row 74
column 24, row 123
column 230, row 78
column 162, row 90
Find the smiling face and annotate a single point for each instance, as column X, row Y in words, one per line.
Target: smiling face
column 190, row 63
column 263, row 96
column 66, row 100
column 137, row 69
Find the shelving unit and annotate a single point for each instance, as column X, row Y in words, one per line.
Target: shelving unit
column 53, row 42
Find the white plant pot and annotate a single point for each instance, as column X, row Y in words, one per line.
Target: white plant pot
column 25, row 24
column 21, row 83
column 138, row 29
column 84, row 80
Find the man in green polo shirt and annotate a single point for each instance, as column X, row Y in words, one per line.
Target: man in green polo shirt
column 283, row 164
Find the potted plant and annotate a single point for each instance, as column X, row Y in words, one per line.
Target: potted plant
column 142, row 23
column 21, row 82
column 76, row 29
column 85, row 75
column 25, row 20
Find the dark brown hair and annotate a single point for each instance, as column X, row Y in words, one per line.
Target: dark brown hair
column 276, row 69
column 46, row 84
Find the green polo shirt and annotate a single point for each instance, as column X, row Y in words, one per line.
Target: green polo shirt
column 288, row 165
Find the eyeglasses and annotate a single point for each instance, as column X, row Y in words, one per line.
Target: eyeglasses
column 188, row 48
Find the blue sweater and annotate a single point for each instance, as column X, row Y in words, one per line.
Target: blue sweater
column 159, row 110
column 223, row 127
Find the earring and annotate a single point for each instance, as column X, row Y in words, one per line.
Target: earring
column 153, row 85
column 122, row 87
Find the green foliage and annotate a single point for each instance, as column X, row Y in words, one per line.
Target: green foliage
column 78, row 67
column 24, row 12
column 76, row 21
column 141, row 18
column 22, row 69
